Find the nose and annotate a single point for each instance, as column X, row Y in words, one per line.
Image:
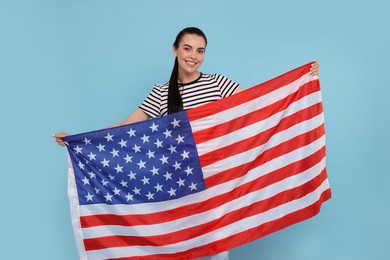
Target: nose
column 193, row 55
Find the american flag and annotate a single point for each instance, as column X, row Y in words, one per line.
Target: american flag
column 202, row 181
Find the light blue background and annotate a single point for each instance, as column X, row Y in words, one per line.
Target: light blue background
column 82, row 65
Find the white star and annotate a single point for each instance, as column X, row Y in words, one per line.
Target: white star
column 92, row 175
column 158, row 143
column 189, row 170
column 172, row 149
column 168, row 176
column 192, row 186
column 136, row 148
column 100, row 147
column 105, row 162
column 137, row 191
column 158, row 187
column 129, row 197
column 81, row 165
column 124, row 183
column 150, row 196
column 89, row 197
column 92, row 156
column 108, row 197
column 141, row 164
column 123, row 143
column 150, row 154
column 111, row 177
column 105, row 183
column 180, row 182
column 132, row 175
column 109, row 137
column 97, row 191
column 145, row 180
column 128, row 158
column 131, row 132
column 172, row 192
column 153, row 127
column 180, row 139
column 77, row 149
column 177, row 165
column 87, row 141
column 145, row 138
column 175, row 123
column 167, row 133
column 154, row 171
column 116, row 191
column 118, row 168
column 85, row 180
column 185, row 154
column 114, row 153
column 164, row 159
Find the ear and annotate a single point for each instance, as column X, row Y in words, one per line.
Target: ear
column 174, row 50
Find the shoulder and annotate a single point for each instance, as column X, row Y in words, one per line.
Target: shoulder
column 159, row 89
column 162, row 86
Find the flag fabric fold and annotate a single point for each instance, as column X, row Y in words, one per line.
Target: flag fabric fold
column 202, row 181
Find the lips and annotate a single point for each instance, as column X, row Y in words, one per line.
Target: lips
column 191, row 63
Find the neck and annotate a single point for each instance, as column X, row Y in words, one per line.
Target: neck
column 186, row 78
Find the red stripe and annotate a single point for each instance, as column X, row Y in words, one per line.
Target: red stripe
column 229, row 218
column 161, row 217
column 244, row 237
column 266, row 156
column 256, row 115
column 245, row 96
column 260, row 138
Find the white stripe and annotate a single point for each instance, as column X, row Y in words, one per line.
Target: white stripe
column 260, row 102
column 198, row 219
column 257, row 127
column 252, row 154
column 146, row 208
column 235, row 228
column 74, row 211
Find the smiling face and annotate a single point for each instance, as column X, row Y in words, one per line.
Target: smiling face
column 190, row 55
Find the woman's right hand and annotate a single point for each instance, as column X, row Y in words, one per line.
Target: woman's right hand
column 58, row 137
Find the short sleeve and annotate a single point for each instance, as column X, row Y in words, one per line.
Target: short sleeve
column 226, row 86
column 152, row 104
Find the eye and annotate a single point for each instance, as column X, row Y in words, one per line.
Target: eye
column 187, row 49
column 201, row 51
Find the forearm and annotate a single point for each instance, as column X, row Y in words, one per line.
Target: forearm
column 137, row 116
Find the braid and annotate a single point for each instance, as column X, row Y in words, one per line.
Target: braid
column 175, row 102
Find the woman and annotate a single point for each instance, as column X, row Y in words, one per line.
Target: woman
column 187, row 87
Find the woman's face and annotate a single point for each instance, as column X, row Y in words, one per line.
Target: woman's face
column 190, row 54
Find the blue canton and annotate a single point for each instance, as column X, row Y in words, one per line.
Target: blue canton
column 149, row 161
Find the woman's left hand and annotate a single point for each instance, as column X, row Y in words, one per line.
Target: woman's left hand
column 315, row 67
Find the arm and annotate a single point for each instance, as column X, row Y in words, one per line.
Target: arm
column 137, row 116
column 238, row 90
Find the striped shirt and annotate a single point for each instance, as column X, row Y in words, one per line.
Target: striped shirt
column 207, row 88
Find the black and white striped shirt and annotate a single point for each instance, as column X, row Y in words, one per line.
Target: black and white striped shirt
column 207, row 88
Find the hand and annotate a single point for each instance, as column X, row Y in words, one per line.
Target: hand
column 58, row 137
column 315, row 67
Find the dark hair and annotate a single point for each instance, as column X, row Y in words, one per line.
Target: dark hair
column 175, row 102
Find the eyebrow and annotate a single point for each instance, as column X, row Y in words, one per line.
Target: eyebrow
column 187, row 45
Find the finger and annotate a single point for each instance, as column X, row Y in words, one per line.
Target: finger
column 314, row 69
